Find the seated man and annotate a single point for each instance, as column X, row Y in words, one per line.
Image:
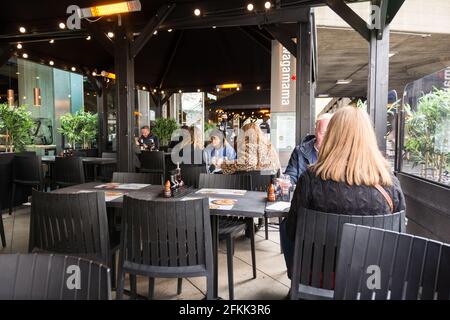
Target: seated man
column 217, row 152
column 147, row 140
column 307, row 152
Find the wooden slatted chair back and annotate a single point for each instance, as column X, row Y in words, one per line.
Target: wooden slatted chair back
column 316, row 248
column 408, row 267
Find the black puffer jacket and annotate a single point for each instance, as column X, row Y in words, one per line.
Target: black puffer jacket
column 336, row 197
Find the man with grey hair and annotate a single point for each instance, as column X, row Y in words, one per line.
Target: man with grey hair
column 306, row 153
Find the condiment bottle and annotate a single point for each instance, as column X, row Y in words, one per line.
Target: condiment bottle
column 167, row 190
column 271, row 193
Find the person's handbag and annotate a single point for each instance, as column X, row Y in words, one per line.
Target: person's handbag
column 386, row 196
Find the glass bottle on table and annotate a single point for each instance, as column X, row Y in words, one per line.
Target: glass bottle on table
column 179, row 178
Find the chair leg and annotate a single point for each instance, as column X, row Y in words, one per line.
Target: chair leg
column 113, row 271
column 133, row 286
column 180, row 286
column 2, row 230
column 230, row 268
column 209, row 286
column 151, row 288
column 13, row 195
column 266, row 227
column 120, row 284
column 253, row 250
column 280, row 219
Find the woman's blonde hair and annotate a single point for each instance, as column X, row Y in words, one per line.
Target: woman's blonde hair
column 349, row 151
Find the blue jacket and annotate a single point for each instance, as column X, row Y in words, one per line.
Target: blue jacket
column 303, row 155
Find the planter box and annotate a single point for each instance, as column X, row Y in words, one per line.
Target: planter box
column 427, row 208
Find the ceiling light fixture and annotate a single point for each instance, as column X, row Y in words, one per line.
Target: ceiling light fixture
column 110, row 9
column 343, row 81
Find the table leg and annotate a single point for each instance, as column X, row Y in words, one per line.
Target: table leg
column 215, row 245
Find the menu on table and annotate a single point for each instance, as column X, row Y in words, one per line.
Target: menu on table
column 217, row 203
column 230, row 192
column 109, row 195
column 123, row 186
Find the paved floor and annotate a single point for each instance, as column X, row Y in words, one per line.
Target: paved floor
column 271, row 281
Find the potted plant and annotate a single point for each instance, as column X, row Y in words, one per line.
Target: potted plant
column 79, row 128
column 428, row 134
column 163, row 129
column 16, row 123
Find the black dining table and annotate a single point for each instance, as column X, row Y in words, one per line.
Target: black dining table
column 251, row 204
column 94, row 161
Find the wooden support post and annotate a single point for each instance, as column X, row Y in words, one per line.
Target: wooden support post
column 378, row 85
column 124, row 67
column 304, row 104
column 102, row 112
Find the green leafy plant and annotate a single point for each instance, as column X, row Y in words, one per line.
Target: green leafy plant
column 163, row 129
column 428, row 133
column 79, row 128
column 16, row 123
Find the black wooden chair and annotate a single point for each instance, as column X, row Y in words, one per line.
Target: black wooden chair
column 165, row 239
column 74, row 224
column 232, row 227
column 316, row 249
column 109, row 155
column 46, row 277
column 27, row 173
column 153, row 162
column 407, row 267
column 191, row 174
column 260, row 182
column 68, row 171
column 107, row 170
column 131, row 177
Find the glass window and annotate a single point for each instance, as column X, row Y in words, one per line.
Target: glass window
column 426, row 143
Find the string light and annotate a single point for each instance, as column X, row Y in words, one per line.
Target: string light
column 73, row 69
column 25, row 56
column 51, row 62
column 197, row 12
column 250, row 7
column 62, row 25
column 22, row 30
column 52, row 41
column 268, row 5
column 110, row 35
column 170, row 30
column 19, row 46
column 88, row 38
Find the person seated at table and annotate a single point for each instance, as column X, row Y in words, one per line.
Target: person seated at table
column 255, row 153
column 218, row 151
column 306, row 152
column 147, row 140
column 345, row 178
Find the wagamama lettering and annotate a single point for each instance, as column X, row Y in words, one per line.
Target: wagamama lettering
column 285, row 66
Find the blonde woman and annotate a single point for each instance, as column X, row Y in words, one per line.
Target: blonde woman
column 346, row 177
column 254, row 152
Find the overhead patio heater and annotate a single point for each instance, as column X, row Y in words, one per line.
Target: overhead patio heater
column 110, row 9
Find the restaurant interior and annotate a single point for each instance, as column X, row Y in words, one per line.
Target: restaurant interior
column 81, row 81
